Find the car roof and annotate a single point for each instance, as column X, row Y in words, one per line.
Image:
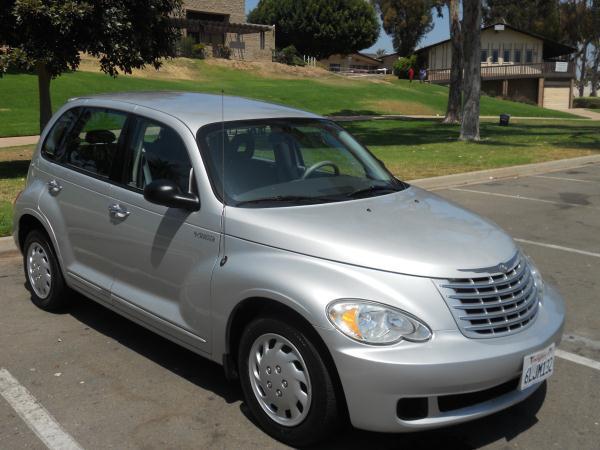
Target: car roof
column 196, row 109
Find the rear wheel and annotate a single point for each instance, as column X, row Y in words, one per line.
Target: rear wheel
column 43, row 277
column 286, row 384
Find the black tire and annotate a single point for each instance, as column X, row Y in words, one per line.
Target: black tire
column 58, row 295
column 322, row 418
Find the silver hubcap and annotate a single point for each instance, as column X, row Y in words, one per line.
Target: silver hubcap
column 39, row 270
column 279, row 379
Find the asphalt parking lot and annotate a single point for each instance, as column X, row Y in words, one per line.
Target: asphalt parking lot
column 112, row 384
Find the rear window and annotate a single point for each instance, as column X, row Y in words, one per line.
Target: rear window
column 52, row 147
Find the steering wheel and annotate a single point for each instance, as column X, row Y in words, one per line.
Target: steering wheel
column 314, row 167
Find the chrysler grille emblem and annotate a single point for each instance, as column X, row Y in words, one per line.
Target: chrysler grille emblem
column 502, row 268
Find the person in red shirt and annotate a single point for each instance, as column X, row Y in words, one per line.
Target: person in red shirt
column 411, row 74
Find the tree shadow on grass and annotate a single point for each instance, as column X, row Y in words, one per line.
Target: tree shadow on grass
column 375, row 133
column 13, row 169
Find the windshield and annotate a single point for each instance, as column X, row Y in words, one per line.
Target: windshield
column 278, row 162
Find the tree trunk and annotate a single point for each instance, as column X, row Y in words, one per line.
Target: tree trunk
column 455, row 91
column 582, row 72
column 471, row 29
column 595, row 69
column 44, row 93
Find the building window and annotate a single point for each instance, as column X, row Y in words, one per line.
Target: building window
column 262, row 40
column 495, row 56
column 335, row 67
column 517, row 56
column 484, row 56
column 529, row 56
column 506, row 56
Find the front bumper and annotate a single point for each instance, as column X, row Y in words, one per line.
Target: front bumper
column 374, row 379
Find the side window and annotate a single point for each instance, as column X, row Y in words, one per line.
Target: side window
column 53, row 148
column 157, row 152
column 529, row 56
column 92, row 144
column 517, row 55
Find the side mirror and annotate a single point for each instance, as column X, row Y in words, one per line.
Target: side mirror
column 167, row 193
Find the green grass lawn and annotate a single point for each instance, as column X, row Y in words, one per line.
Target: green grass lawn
column 328, row 95
column 427, row 148
column 410, row 149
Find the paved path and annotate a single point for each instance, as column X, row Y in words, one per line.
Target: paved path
column 18, row 140
column 582, row 112
column 438, row 117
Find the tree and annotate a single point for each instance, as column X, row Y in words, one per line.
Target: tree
column 406, row 21
column 380, row 53
column 49, row 36
column 537, row 16
column 456, row 68
column 319, row 28
column 469, row 130
column 580, row 23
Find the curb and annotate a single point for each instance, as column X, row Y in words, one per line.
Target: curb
column 480, row 176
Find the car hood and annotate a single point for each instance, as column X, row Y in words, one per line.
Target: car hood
column 412, row 232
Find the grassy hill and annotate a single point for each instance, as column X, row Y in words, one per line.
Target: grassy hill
column 311, row 89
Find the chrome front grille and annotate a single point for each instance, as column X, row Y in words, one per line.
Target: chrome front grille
column 498, row 303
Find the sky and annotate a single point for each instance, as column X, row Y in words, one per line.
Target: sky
column 440, row 32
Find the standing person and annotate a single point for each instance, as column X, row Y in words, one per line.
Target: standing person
column 411, row 74
column 422, row 74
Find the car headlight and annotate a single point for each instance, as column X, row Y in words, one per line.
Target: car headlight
column 538, row 282
column 375, row 323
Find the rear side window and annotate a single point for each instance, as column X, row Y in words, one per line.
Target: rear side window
column 53, row 148
column 92, row 144
column 157, row 152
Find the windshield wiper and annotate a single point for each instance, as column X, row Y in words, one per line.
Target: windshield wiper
column 287, row 199
column 373, row 189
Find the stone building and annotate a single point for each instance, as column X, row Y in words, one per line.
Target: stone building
column 222, row 23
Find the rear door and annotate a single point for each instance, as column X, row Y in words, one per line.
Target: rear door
column 77, row 166
column 165, row 256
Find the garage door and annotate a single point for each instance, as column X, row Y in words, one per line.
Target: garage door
column 556, row 97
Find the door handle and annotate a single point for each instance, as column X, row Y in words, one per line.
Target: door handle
column 54, row 187
column 118, row 211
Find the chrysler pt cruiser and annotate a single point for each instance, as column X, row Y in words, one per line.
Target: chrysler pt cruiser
column 272, row 242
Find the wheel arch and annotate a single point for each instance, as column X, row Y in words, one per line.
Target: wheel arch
column 251, row 308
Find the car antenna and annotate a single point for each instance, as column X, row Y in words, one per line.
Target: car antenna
column 224, row 258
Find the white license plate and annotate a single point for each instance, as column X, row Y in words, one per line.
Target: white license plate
column 537, row 367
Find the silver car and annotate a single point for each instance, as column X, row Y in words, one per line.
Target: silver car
column 270, row 241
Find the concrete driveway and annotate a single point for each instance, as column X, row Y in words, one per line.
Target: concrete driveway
column 107, row 383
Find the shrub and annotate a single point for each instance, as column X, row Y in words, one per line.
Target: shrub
column 587, row 102
column 289, row 55
column 222, row 51
column 184, row 46
column 199, row 51
column 402, row 65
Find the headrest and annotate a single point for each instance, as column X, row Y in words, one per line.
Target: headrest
column 100, row 137
column 247, row 141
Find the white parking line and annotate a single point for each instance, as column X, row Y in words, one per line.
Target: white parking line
column 33, row 413
column 520, row 197
column 559, row 247
column 577, row 359
column 564, row 179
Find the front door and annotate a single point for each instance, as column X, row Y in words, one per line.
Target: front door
column 162, row 269
column 78, row 163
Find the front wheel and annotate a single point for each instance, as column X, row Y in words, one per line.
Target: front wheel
column 286, row 384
